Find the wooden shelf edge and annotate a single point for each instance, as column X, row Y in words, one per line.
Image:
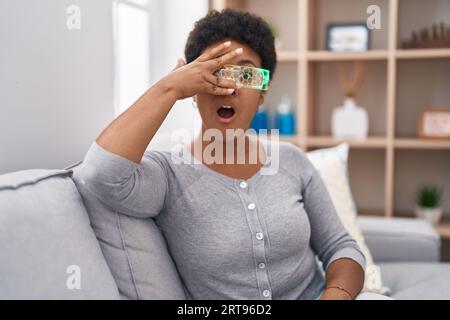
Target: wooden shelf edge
column 415, row 143
column 422, row 53
column 322, row 55
column 291, row 139
column 374, row 142
column 328, row 141
column 295, row 139
column 363, row 212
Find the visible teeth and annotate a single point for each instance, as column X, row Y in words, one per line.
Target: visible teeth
column 227, row 107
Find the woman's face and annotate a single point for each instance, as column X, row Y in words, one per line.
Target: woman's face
column 244, row 101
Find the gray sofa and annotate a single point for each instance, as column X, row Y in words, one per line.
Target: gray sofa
column 58, row 242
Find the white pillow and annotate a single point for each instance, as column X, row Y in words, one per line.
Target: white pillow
column 332, row 166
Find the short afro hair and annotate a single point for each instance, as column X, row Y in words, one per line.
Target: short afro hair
column 240, row 26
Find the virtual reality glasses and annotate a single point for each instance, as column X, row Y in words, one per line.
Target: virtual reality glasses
column 249, row 77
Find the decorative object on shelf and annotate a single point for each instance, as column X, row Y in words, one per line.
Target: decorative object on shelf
column 260, row 121
column 347, row 37
column 434, row 123
column 436, row 36
column 428, row 204
column 285, row 118
column 350, row 121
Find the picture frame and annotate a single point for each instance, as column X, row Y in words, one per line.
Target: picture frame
column 348, row 37
column 434, row 123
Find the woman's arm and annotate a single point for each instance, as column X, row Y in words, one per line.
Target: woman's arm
column 345, row 274
column 115, row 170
column 342, row 259
column 129, row 135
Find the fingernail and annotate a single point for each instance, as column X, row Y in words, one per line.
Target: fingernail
column 239, row 85
column 238, row 50
column 227, row 44
column 230, row 90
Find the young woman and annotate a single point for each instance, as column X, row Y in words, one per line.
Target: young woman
column 233, row 232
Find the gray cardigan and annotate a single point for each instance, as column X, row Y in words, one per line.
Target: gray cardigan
column 230, row 238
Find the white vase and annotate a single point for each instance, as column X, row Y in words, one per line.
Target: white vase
column 349, row 121
column 432, row 215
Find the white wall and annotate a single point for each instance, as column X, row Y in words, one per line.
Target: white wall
column 177, row 19
column 56, row 85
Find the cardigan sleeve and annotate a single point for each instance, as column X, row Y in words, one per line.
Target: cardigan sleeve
column 133, row 189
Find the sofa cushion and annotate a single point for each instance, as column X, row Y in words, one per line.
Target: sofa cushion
column 407, row 239
column 135, row 251
column 331, row 163
column 47, row 248
column 417, row 280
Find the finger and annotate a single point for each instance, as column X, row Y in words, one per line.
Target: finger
column 180, row 63
column 220, row 82
column 214, row 52
column 214, row 89
column 220, row 61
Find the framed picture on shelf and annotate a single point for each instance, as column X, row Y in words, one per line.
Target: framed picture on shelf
column 347, row 37
column 434, row 123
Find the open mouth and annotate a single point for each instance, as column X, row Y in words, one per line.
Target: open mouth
column 226, row 113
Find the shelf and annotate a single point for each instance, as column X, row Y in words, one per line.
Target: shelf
column 292, row 139
column 398, row 84
column 416, row 169
column 292, row 56
column 414, row 143
column 420, row 83
column 347, row 56
column 321, row 13
column 375, row 142
column 328, row 141
column 287, row 56
column 369, row 212
column 379, row 54
column 422, row 53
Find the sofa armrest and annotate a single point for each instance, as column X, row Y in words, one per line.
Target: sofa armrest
column 400, row 239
